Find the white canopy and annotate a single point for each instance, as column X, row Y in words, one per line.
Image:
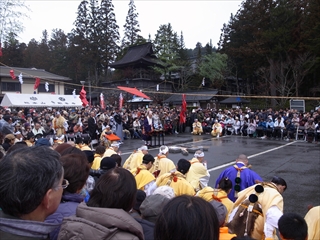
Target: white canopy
column 40, row 100
column 139, row 100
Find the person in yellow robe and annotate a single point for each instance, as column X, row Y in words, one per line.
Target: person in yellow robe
column 220, row 194
column 111, row 150
column 162, row 163
column 145, row 179
column 270, row 209
column 313, row 221
column 177, row 179
column 216, row 129
column 135, row 159
column 59, row 124
column 198, row 175
column 98, row 157
column 197, row 128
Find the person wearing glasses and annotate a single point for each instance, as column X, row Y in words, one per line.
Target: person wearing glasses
column 30, row 190
column 76, row 172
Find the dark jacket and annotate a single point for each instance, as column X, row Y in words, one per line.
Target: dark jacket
column 148, row 228
column 100, row 223
column 67, row 207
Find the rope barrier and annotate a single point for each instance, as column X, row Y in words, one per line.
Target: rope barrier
column 170, row 93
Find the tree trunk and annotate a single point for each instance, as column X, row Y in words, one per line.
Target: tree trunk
column 272, row 83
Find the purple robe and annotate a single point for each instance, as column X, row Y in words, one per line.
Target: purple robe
column 248, row 178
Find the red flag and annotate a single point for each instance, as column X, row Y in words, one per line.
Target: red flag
column 36, row 83
column 0, row 50
column 183, row 109
column 83, row 97
column 12, row 74
column 102, row 101
column 120, row 101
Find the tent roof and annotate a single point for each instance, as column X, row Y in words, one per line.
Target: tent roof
column 192, row 97
column 40, row 100
column 139, row 100
column 231, row 100
column 133, row 91
column 31, row 73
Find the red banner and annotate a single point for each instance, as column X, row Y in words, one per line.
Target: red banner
column 83, row 97
column 183, row 109
column 102, row 101
column 120, row 101
column 12, row 74
column 36, row 83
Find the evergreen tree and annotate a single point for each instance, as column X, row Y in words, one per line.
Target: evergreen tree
column 131, row 27
column 13, row 51
column 166, row 45
column 108, row 34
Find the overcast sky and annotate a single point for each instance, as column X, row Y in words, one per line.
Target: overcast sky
column 199, row 21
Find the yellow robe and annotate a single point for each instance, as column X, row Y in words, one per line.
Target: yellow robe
column 177, row 181
column 58, row 125
column 216, row 129
column 220, row 196
column 110, row 151
column 134, row 160
column 96, row 162
column 197, row 128
column 163, row 164
column 268, row 198
column 196, row 171
column 142, row 176
column 313, row 221
column 29, row 144
column 85, row 148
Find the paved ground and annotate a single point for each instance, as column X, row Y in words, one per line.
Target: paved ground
column 297, row 162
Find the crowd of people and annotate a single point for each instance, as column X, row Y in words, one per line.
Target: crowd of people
column 54, row 185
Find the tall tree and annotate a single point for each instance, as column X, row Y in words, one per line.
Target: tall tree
column 13, row 55
column 214, row 67
column 58, row 46
column 166, row 45
column 131, row 27
column 108, row 34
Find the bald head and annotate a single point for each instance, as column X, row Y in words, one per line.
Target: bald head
column 242, row 158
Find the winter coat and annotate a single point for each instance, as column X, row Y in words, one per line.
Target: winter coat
column 100, row 223
column 67, row 207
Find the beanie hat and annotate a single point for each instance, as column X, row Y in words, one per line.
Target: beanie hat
column 107, row 163
column 220, row 210
column 43, row 142
column 166, row 191
column 152, row 206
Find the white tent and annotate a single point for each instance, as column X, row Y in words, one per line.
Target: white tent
column 40, row 100
column 139, row 100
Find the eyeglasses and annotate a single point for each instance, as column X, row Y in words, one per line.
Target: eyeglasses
column 65, row 184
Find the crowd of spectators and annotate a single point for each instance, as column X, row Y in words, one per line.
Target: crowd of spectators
column 89, row 194
column 30, row 124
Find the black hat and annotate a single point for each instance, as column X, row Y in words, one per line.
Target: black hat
column 107, row 163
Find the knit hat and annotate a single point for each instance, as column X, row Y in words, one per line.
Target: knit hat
column 166, row 191
column 43, row 142
column 115, row 145
column 107, row 163
column 221, row 211
column 152, row 206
